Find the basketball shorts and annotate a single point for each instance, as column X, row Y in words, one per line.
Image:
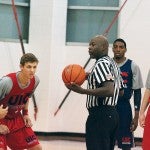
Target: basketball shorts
column 124, row 136
column 3, row 142
column 20, row 137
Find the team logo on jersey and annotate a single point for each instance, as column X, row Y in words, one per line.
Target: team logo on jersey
column 18, row 99
column 124, row 74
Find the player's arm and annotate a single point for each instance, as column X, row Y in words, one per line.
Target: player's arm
column 145, row 101
column 26, row 117
column 137, row 85
column 5, row 87
column 137, row 102
column 144, row 105
column 25, row 109
column 25, row 113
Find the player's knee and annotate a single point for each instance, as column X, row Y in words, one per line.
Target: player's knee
column 40, row 147
column 37, row 147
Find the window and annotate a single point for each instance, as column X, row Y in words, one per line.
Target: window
column 8, row 29
column 87, row 18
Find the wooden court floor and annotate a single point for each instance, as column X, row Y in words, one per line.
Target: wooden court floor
column 69, row 145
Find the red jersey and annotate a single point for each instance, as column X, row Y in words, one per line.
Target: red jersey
column 17, row 97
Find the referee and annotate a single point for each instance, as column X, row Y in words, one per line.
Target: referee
column 104, row 86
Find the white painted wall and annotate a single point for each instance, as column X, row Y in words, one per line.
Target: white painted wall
column 47, row 42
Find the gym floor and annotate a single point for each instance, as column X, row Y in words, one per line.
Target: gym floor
column 70, row 142
column 69, row 145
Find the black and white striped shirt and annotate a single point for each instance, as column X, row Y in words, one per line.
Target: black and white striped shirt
column 104, row 69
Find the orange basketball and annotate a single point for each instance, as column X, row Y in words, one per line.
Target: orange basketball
column 73, row 73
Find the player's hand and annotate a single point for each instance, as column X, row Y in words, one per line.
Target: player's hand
column 27, row 121
column 75, row 87
column 142, row 120
column 3, row 111
column 4, row 129
column 134, row 124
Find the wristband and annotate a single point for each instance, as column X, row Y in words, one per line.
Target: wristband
column 25, row 112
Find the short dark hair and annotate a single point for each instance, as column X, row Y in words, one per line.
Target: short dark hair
column 28, row 57
column 120, row 40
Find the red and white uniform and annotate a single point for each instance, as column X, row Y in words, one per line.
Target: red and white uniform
column 20, row 136
column 146, row 134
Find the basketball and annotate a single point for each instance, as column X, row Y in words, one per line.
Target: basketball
column 73, row 73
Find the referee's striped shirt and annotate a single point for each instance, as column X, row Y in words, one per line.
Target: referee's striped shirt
column 104, row 69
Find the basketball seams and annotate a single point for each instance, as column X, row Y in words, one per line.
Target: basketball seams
column 78, row 75
column 73, row 73
column 64, row 75
column 82, row 75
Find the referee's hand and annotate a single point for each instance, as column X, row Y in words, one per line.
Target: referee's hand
column 75, row 87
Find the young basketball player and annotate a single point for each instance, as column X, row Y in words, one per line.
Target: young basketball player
column 131, row 75
column 15, row 91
